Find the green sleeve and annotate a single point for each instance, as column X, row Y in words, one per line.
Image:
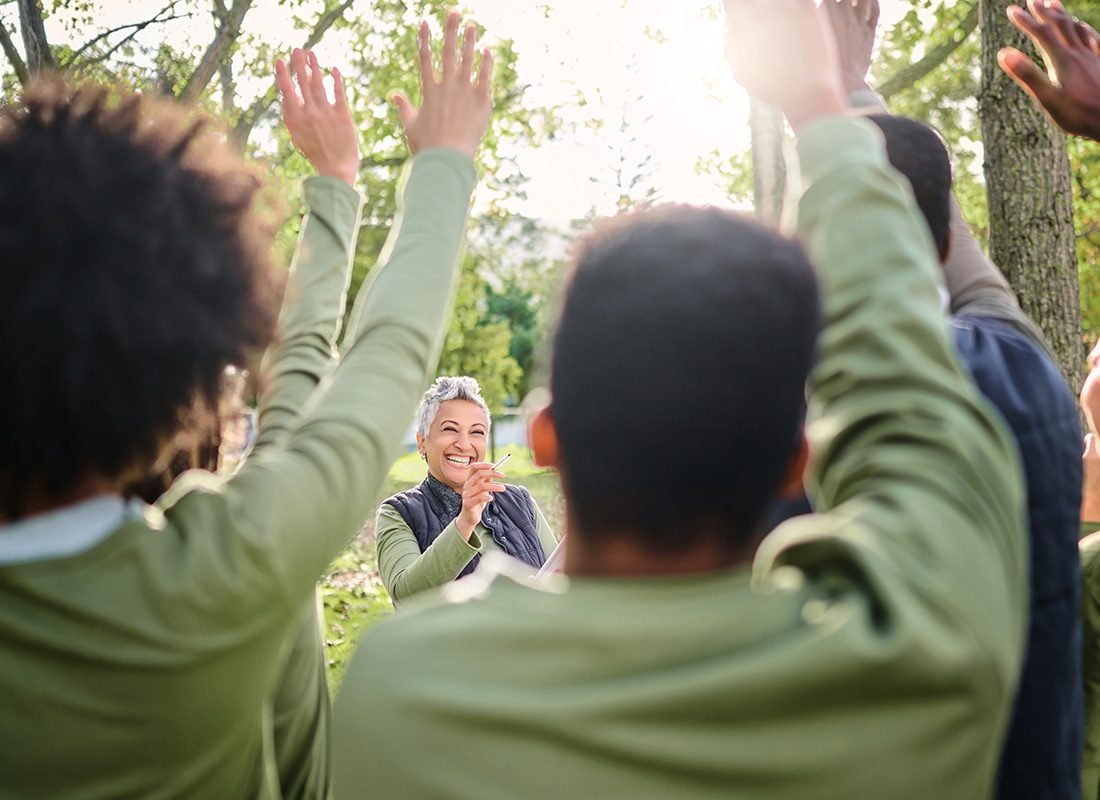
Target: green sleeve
column 923, row 531
column 313, row 306
column 1090, row 663
column 294, row 505
column 404, row 569
column 312, row 310
column 301, row 711
column 1090, row 777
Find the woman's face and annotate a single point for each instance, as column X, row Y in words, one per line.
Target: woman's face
column 455, row 440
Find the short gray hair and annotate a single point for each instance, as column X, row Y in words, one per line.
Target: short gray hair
column 442, row 390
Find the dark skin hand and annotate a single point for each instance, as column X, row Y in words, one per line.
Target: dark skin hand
column 1069, row 90
column 855, row 23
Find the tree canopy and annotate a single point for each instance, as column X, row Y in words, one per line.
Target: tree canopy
column 223, row 61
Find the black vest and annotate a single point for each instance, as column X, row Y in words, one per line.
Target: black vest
column 510, row 519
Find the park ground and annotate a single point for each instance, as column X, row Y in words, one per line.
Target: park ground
column 353, row 595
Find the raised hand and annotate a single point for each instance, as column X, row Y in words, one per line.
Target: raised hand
column 1090, row 489
column 783, row 53
column 854, row 24
column 454, row 111
column 477, row 493
column 1090, row 393
column 1069, row 91
column 323, row 131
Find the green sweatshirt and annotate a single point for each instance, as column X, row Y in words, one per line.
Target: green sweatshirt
column 1090, row 658
column 871, row 652
column 316, row 292
column 406, row 571
column 145, row 665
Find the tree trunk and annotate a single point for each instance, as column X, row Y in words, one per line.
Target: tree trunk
column 769, row 167
column 1031, row 236
column 35, row 45
column 225, row 68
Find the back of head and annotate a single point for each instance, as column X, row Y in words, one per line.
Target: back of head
column 918, row 152
column 137, row 267
column 680, row 358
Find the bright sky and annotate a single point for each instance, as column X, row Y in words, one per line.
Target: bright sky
column 674, row 87
column 658, row 63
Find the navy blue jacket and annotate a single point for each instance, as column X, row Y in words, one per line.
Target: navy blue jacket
column 1042, row 754
column 510, row 519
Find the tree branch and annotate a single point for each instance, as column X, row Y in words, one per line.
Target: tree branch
column 225, row 68
column 35, row 44
column 907, row 77
column 249, row 118
column 226, row 35
column 110, row 51
column 134, row 27
column 16, row 60
column 373, row 162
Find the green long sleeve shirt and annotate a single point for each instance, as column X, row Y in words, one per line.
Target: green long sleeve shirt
column 872, row 651
column 405, row 571
column 1090, row 648
column 144, row 666
column 316, row 292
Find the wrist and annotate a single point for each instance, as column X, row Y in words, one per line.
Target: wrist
column 856, row 84
column 1090, row 493
column 1090, row 507
column 347, row 173
column 465, row 528
column 464, row 150
column 827, row 102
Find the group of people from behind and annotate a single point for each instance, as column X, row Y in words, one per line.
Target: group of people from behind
column 915, row 635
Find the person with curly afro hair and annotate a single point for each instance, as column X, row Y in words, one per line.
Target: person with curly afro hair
column 142, row 647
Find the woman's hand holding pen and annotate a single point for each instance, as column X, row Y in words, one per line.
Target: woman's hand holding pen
column 477, row 493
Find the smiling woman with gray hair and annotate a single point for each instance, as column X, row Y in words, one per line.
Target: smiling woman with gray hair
column 437, row 531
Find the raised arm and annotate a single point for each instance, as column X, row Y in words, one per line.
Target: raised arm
column 1069, row 91
column 316, row 290
column 921, row 482
column 974, row 283
column 1090, row 405
column 296, row 504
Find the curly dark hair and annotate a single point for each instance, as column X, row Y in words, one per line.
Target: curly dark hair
column 137, row 267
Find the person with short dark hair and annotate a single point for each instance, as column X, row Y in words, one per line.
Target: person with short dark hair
column 869, row 650
column 436, row 531
column 140, row 647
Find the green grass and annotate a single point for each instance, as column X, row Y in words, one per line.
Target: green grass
column 354, row 597
column 354, row 600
